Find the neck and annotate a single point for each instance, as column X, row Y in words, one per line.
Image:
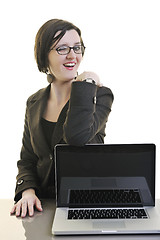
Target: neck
column 60, row 92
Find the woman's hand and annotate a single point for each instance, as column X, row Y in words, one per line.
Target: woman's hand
column 92, row 75
column 26, row 204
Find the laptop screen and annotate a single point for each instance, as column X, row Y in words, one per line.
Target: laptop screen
column 105, row 175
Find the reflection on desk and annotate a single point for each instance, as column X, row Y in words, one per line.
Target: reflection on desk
column 39, row 226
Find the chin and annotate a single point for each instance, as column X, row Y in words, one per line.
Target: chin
column 71, row 76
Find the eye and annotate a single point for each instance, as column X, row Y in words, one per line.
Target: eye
column 62, row 49
column 77, row 48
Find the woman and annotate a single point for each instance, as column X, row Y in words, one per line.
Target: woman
column 73, row 109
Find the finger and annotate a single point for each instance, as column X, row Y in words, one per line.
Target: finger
column 13, row 209
column 18, row 210
column 78, row 79
column 24, row 209
column 30, row 209
column 38, row 205
column 100, row 85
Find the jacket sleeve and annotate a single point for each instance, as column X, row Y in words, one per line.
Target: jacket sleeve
column 88, row 112
column 26, row 177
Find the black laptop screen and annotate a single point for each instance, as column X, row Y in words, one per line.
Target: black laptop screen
column 105, row 175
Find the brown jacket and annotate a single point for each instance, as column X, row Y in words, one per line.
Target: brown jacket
column 82, row 120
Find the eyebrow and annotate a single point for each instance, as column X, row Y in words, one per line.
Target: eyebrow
column 65, row 44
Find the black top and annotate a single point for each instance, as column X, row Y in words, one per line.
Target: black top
column 48, row 129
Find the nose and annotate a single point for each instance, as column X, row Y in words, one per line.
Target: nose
column 71, row 54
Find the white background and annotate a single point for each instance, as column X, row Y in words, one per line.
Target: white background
column 122, row 39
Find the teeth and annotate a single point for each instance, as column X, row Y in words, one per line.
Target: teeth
column 69, row 64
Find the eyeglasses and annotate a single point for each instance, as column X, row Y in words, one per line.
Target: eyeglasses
column 64, row 50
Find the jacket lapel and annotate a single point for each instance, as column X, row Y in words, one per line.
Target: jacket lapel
column 36, row 108
column 35, row 113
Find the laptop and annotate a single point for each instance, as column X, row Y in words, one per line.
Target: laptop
column 105, row 189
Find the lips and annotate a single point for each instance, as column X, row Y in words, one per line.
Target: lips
column 69, row 65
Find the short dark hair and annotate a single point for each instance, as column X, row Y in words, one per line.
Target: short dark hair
column 45, row 38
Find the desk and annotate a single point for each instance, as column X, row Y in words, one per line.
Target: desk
column 39, row 226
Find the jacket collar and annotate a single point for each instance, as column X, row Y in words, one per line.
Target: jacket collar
column 42, row 93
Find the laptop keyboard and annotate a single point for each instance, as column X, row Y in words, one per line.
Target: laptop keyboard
column 107, row 214
column 109, row 197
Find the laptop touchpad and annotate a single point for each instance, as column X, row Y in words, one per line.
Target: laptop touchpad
column 109, row 225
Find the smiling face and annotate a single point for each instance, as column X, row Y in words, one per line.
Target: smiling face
column 64, row 67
